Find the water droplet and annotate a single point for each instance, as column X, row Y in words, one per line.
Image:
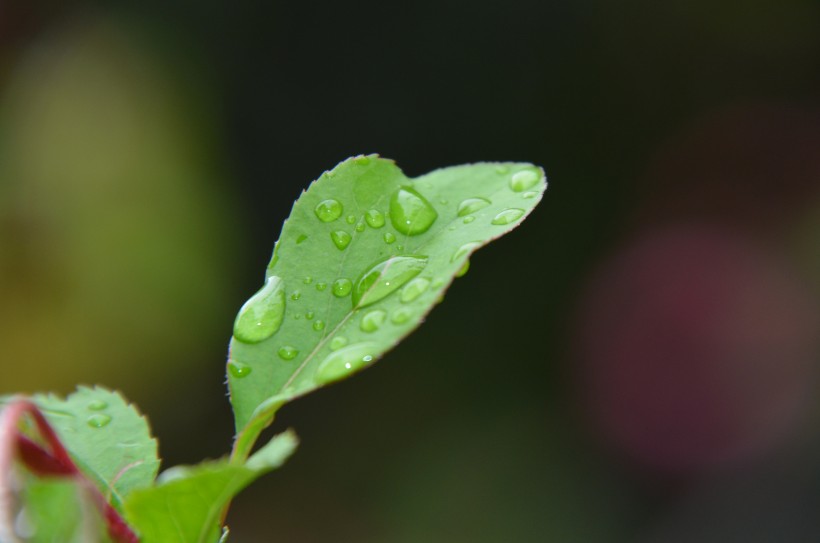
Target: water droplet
column 301, row 238
column 410, row 213
column 463, row 270
column 262, row 314
column 341, row 239
column 468, row 219
column 296, row 295
column 350, row 219
column 362, row 160
column 337, row 343
column 328, row 210
column 342, row 287
column 401, row 315
column 309, row 315
column 414, row 289
column 98, row 420
column 97, row 405
column 372, row 320
column 462, row 251
column 524, row 180
column 471, row 205
column 374, row 218
column 507, row 216
column 238, row 369
column 321, row 286
column 444, row 201
column 438, row 282
column 529, row 195
column 319, row 325
column 307, row 280
column 386, row 277
column 501, row 170
column 286, row 352
column 389, row 237
column 360, row 227
column 297, row 316
column 344, row 362
column 400, row 248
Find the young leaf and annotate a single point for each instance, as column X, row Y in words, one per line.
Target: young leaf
column 107, row 438
column 363, row 257
column 186, row 505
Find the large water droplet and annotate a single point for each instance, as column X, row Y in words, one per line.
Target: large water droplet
column 328, row 210
column 386, row 277
column 462, row 271
column 372, row 320
column 262, row 314
column 389, row 237
column 238, row 369
column 342, row 287
column 464, row 250
column 507, row 216
column 374, row 218
column 414, row 289
column 319, row 326
column 410, row 213
column 98, row 420
column 471, row 205
column 524, row 180
column 286, row 352
column 337, row 343
column 96, row 405
column 344, row 362
column 341, row 239
column 401, row 315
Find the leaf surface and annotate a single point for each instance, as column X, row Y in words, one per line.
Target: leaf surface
column 364, row 256
column 186, row 505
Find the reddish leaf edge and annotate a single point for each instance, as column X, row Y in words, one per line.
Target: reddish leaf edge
column 50, row 461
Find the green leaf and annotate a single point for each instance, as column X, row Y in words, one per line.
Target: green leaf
column 364, row 256
column 187, row 503
column 107, row 438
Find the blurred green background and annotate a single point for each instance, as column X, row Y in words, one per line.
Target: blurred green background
column 637, row 362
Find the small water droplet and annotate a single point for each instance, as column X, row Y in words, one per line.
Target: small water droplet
column 350, row 219
column 374, row 218
column 372, row 320
column 341, row 239
column 342, row 287
column 414, row 289
column 238, row 369
column 507, row 216
column 501, row 170
column 400, row 248
column 360, row 227
column 297, row 316
column 463, row 270
column 362, row 160
column 471, row 205
column 97, row 405
column 286, row 352
column 386, row 277
column 307, row 280
column 98, row 420
column 309, row 315
column 337, row 343
column 401, row 315
column 524, row 180
column 328, row 210
column 462, row 251
column 444, row 201
column 468, row 219
column 319, row 325
column 389, row 237
column 296, row 295
column 321, row 286
column 528, row 195
column 301, row 238
column 438, row 282
column 344, row 362
column 410, row 213
column 261, row 316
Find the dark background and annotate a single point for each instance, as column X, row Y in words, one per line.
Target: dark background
column 637, row 362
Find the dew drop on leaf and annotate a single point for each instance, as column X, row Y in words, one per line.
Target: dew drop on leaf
column 97, row 405
column 507, row 216
column 309, row 315
column 262, row 314
column 301, row 238
column 410, row 213
column 374, row 218
column 414, row 289
column 386, row 277
column 350, row 219
column 464, row 250
column 296, row 295
column 524, row 180
column 321, row 286
column 471, row 205
column 328, row 210
column 372, row 320
column 238, row 369
column 307, row 280
column 401, row 315
column 98, row 420
column 319, row 325
column 462, row 271
column 337, row 343
column 529, row 195
column 389, row 237
column 360, row 227
column 342, row 287
column 468, row 219
column 344, row 362
column 362, row 160
column 341, row 239
column 286, row 352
